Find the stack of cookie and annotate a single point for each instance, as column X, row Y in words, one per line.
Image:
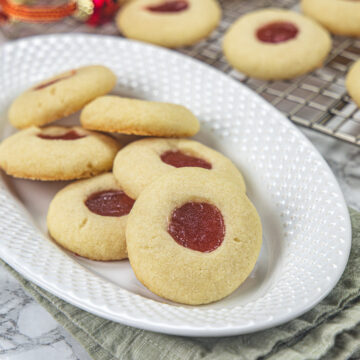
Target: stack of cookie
column 51, row 153
column 175, row 207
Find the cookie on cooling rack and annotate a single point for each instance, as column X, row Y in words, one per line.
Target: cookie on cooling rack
column 89, row 217
column 193, row 236
column 353, row 82
column 57, row 153
column 170, row 23
column 143, row 161
column 275, row 44
column 338, row 16
column 60, row 96
column 138, row 117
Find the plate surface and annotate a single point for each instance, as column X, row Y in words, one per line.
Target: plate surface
column 307, row 233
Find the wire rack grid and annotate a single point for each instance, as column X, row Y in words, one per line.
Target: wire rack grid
column 318, row 100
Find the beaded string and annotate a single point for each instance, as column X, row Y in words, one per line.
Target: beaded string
column 93, row 12
column 36, row 13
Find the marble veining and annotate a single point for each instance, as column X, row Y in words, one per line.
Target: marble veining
column 27, row 330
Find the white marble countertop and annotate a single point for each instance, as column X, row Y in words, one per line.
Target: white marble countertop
column 28, row 332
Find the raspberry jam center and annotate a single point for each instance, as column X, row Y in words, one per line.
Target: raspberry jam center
column 109, row 203
column 51, row 82
column 277, row 32
column 70, row 135
column 198, row 226
column 169, row 6
column 179, row 159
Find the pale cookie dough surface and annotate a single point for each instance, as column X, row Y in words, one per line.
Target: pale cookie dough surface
column 26, row 155
column 60, row 96
column 139, row 117
column 139, row 163
column 76, row 228
column 181, row 274
column 338, row 16
column 282, row 60
column 170, row 29
column 353, row 82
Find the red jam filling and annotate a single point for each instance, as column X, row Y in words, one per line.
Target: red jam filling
column 109, row 203
column 179, row 159
column 197, row 226
column 70, row 135
column 169, row 6
column 51, row 82
column 277, row 32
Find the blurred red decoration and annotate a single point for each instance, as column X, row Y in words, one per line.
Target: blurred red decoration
column 97, row 12
column 104, row 10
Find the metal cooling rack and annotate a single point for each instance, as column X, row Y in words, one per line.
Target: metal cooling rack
column 318, row 100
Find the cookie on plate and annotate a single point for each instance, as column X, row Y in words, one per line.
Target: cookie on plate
column 353, row 82
column 89, row 217
column 142, row 162
column 60, row 96
column 338, row 16
column 193, row 236
column 170, row 23
column 139, row 117
column 276, row 44
column 57, row 153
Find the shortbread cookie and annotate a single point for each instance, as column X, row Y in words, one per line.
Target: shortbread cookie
column 338, row 16
column 89, row 217
column 139, row 117
column 276, row 44
column 170, row 23
column 60, row 96
column 57, row 153
column 193, row 236
column 143, row 161
column 353, row 82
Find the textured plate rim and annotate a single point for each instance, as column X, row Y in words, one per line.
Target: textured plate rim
column 185, row 330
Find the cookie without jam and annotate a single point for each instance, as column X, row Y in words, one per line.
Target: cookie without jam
column 139, row 117
column 169, row 23
column 57, row 153
column 140, row 163
column 60, row 96
column 77, row 228
column 163, row 251
column 274, row 44
column 340, row 17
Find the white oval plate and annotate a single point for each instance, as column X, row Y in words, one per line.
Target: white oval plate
column 307, row 233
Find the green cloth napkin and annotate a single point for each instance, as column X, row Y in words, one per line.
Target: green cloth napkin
column 331, row 330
